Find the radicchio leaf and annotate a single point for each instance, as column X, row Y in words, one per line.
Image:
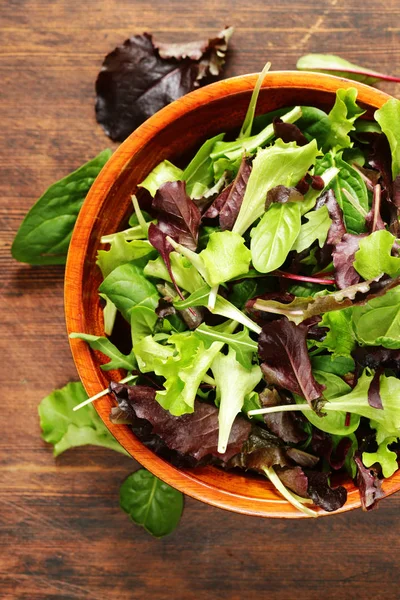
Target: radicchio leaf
column 194, row 434
column 295, row 479
column 285, row 360
column 369, row 485
column 337, row 229
column 286, row 425
column 373, row 357
column 322, row 445
column 140, row 77
column 343, row 259
column 322, row 494
column 288, row 132
column 178, row 216
column 158, row 239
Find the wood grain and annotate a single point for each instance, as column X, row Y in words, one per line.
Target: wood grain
column 62, row 533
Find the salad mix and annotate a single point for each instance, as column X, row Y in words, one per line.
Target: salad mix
column 262, row 294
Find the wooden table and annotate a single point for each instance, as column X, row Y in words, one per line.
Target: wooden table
column 63, row 535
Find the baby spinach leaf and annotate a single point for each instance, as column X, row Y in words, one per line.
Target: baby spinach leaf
column 44, row 235
column 151, row 503
column 122, row 251
column 388, row 118
column 199, row 170
column 378, row 322
column 341, row 365
column 374, row 258
column 273, row 237
column 241, row 342
column 281, row 164
column 242, row 292
column 317, row 228
column 340, row 339
column 233, row 383
column 165, row 171
column 225, row 257
column 143, row 321
column 65, row 428
column 332, row 64
column 103, row 345
column 127, row 287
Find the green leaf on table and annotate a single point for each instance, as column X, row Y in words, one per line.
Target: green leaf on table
column 335, row 65
column 165, row 171
column 225, row 257
column 126, row 287
column 234, row 382
column 151, row 503
column 122, row 251
column 186, row 275
column 200, row 169
column 44, row 235
column 349, row 179
column 340, row 339
column 240, row 342
column 103, row 345
column 388, row 117
column 374, row 258
column 273, row 237
column 377, row 323
column 385, row 457
column 281, row 164
column 65, row 428
column 316, row 228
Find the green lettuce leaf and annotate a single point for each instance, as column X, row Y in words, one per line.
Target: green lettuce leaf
column 225, row 257
column 109, row 315
column 340, row 339
column 316, row 228
column 200, row 169
column 377, row 323
column 340, row 365
column 103, row 345
column 143, row 321
column 122, row 251
column 165, row 171
column 233, row 382
column 385, row 457
column 373, row 258
column 388, row 118
column 65, row 428
column 342, row 116
column 240, row 342
column 186, row 275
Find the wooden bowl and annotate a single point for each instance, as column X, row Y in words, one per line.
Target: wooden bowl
column 175, row 132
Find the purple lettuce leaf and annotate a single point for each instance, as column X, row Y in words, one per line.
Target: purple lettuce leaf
column 343, row 258
column 295, row 479
column 285, row 361
column 288, row 426
column 322, row 445
column 283, row 194
column 177, row 214
column 194, row 434
column 322, row 494
column 375, row 356
column 288, row 132
column 213, row 211
column 337, row 229
column 158, row 239
column 369, row 484
column 140, row 77
column 374, row 396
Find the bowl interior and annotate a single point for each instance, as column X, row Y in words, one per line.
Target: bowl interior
column 175, row 133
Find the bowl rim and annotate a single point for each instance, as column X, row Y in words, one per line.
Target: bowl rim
column 94, row 380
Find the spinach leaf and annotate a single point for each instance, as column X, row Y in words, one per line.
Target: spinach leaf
column 317, row 228
column 273, row 238
column 388, row 118
column 103, row 345
column 374, row 258
column 109, row 315
column 332, row 64
column 165, row 171
column 378, row 322
column 341, row 365
column 44, row 235
column 240, row 342
column 65, row 428
column 242, row 292
column 127, row 287
column 151, row 503
column 122, row 251
column 281, row 164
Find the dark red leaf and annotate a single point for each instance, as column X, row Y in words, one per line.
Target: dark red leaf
column 374, row 220
column 322, row 494
column 375, row 356
column 158, row 240
column 343, row 258
column 283, row 194
column 322, row 445
column 285, row 360
column 374, row 396
column 178, row 216
column 369, row 485
column 262, row 449
column 337, row 228
column 295, row 479
column 288, row 132
column 213, row 211
column 286, row 425
column 317, row 183
column 194, row 434
column 140, row 77
column 304, row 459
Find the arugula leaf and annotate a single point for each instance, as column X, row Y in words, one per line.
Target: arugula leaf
column 225, row 257
column 330, row 63
column 163, row 172
column 233, row 382
column 317, row 228
column 373, row 258
column 200, row 170
column 65, row 428
column 185, row 274
column 388, row 117
column 122, row 251
column 240, row 342
column 385, row 457
column 151, row 503
column 340, row 339
column 127, row 287
column 281, row 164
column 103, row 345
column 378, row 322
column 273, row 237
column 44, row 235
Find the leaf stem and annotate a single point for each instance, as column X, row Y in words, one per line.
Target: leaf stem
column 102, row 393
column 374, row 74
column 322, row 280
column 355, row 203
column 142, row 221
column 274, row 479
column 212, row 297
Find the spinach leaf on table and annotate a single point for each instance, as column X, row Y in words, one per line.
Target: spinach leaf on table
column 335, row 65
column 151, row 503
column 44, row 235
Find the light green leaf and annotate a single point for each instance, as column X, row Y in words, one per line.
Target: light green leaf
column 44, row 235
column 335, row 65
column 240, row 342
column 143, row 320
column 281, row 164
column 388, row 118
column 317, row 228
column 122, row 251
column 340, row 339
column 247, row 126
column 234, row 382
column 109, row 315
column 225, row 257
column 165, row 171
column 200, row 170
column 103, row 345
column 385, row 457
column 273, row 237
column 373, row 258
column 186, row 275
column 151, row 503
column 65, row 428
column 342, row 116
column 377, row 323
